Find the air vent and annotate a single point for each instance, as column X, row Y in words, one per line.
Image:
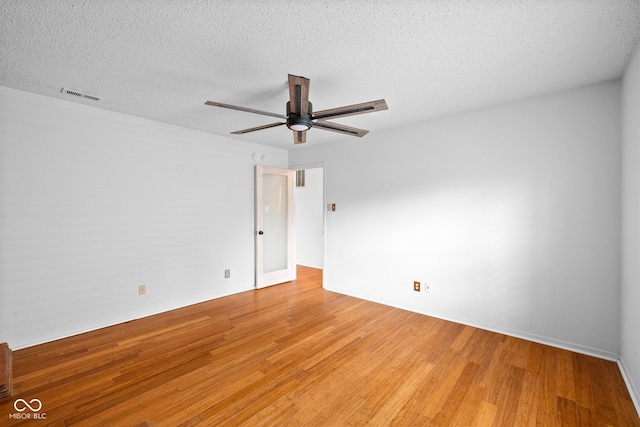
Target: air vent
column 80, row 94
column 300, row 178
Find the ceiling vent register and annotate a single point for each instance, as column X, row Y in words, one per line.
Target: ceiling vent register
column 80, row 94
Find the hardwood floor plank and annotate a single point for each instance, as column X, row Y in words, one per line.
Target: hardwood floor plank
column 585, row 419
column 566, row 386
column 567, row 412
column 604, row 408
column 445, row 385
column 496, row 382
column 534, row 357
column 448, row 411
column 396, row 408
column 622, row 402
column 510, row 397
column 527, row 409
column 548, row 396
column 585, row 393
column 489, row 361
column 488, row 414
column 469, row 409
column 463, row 338
column 295, row 354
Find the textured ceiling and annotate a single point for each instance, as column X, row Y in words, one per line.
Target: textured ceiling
column 162, row 59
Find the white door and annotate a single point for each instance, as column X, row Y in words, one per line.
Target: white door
column 274, row 226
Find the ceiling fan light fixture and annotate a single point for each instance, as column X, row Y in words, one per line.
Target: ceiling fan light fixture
column 300, row 127
column 299, row 123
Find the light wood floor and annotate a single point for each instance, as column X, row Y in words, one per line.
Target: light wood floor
column 295, row 354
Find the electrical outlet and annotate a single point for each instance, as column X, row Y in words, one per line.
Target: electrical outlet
column 227, row 274
column 427, row 287
column 416, row 286
column 142, row 290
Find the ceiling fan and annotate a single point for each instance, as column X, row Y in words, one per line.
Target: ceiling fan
column 300, row 116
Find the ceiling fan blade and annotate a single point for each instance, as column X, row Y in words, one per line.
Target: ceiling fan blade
column 272, row 125
column 334, row 127
column 299, row 137
column 248, row 110
column 351, row 110
column 299, row 95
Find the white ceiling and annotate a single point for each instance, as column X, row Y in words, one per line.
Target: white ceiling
column 162, row 59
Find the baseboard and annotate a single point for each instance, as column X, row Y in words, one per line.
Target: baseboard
column 20, row 346
column 589, row 351
column 577, row 348
column 633, row 392
column 6, row 374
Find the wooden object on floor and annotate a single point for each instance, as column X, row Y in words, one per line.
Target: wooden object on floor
column 296, row 354
column 5, row 371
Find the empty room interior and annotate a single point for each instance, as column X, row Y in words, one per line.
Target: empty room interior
column 338, row 212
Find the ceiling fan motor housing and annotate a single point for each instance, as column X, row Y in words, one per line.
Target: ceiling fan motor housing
column 298, row 122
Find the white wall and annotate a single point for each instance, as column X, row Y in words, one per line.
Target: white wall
column 94, row 203
column 630, row 324
column 310, row 219
column 511, row 213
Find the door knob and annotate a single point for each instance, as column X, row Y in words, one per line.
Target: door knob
column 260, row 232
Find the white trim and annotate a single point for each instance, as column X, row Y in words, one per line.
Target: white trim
column 131, row 319
column 633, row 392
column 308, row 166
column 590, row 351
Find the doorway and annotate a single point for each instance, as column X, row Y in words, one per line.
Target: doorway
column 290, row 222
column 310, row 214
